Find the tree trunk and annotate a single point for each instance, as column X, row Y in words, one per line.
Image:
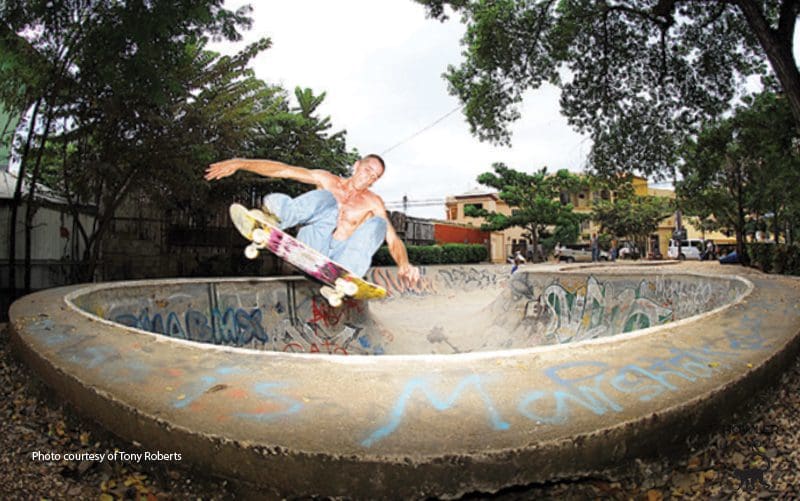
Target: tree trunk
column 15, row 204
column 103, row 219
column 741, row 249
column 777, row 44
column 30, row 209
column 536, row 257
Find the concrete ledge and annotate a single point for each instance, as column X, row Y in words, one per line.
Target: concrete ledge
column 413, row 425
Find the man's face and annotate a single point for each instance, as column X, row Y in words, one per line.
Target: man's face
column 366, row 172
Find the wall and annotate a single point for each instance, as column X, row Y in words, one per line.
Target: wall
column 454, row 309
column 449, row 233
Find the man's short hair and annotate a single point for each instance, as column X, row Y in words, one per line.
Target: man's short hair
column 379, row 159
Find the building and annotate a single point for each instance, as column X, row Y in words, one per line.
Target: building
column 501, row 243
column 504, row 243
column 56, row 245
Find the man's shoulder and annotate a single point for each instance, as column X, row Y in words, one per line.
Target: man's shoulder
column 374, row 197
column 324, row 174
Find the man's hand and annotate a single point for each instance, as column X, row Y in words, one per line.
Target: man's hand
column 223, row 169
column 408, row 274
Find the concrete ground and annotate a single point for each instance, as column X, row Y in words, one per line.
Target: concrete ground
column 417, row 425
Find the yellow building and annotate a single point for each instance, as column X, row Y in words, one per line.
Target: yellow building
column 504, row 242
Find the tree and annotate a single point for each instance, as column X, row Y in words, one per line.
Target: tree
column 535, row 201
column 637, row 75
column 744, row 166
column 764, row 130
column 296, row 135
column 293, row 134
column 715, row 179
column 116, row 72
column 629, row 215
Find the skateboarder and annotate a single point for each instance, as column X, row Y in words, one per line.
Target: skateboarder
column 341, row 218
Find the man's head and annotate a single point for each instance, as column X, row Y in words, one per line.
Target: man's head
column 366, row 171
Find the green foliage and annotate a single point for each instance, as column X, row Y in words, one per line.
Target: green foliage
column 762, row 256
column 535, row 201
column 435, row 254
column 638, row 76
column 786, row 259
column 775, row 258
column 744, row 167
column 296, row 135
column 630, row 216
column 139, row 106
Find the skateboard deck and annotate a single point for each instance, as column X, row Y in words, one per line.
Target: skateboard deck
column 338, row 282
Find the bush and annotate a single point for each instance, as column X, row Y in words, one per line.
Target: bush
column 435, row 254
column 786, row 259
column 761, row 255
column 776, row 258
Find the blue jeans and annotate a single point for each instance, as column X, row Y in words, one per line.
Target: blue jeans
column 317, row 212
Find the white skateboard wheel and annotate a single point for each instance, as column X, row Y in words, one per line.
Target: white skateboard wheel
column 251, row 251
column 333, row 296
column 260, row 236
column 346, row 286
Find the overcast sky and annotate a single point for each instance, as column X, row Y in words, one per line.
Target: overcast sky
column 381, row 65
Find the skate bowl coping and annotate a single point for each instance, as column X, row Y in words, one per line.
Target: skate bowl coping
column 473, row 381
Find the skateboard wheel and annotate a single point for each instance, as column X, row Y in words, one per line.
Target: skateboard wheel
column 346, row 286
column 260, row 236
column 251, row 251
column 333, row 296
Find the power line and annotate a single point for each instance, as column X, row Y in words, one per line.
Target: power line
column 412, row 136
column 415, row 204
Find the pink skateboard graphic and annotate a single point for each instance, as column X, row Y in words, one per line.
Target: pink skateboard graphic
column 338, row 282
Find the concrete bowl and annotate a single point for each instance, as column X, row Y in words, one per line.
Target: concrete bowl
column 473, row 381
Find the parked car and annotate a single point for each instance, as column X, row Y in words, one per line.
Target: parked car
column 730, row 258
column 628, row 250
column 685, row 249
column 577, row 253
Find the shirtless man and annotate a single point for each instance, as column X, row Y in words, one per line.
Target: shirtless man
column 341, row 218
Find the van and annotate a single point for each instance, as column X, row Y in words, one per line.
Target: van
column 685, row 249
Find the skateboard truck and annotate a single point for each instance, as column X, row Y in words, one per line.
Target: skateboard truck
column 335, row 294
column 260, row 237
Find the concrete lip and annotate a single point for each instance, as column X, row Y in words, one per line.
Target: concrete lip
column 556, row 372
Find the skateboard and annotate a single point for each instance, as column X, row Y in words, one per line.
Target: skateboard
column 258, row 227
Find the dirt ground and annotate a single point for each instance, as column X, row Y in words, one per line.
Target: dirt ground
column 757, row 457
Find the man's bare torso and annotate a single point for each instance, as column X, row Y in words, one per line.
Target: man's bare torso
column 355, row 207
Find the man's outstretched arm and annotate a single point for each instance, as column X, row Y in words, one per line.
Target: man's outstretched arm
column 267, row 168
column 397, row 250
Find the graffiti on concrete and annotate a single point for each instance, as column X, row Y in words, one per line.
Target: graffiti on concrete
column 299, row 323
column 424, row 386
column 236, row 327
column 569, row 309
column 582, row 386
column 596, row 309
column 434, row 281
